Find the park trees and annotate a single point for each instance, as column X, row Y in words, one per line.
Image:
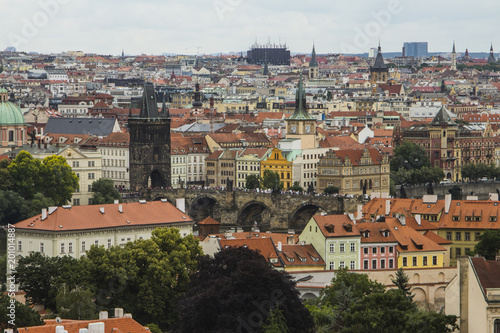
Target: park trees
column 271, row 180
column 104, row 192
column 238, row 290
column 489, row 244
column 252, row 182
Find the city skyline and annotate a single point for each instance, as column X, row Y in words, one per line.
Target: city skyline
column 205, row 27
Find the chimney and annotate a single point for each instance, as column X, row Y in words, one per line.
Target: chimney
column 118, row 312
column 402, row 219
column 128, row 315
column 447, row 203
column 60, row 329
column 290, row 240
column 387, row 207
column 120, row 208
column 279, row 246
column 44, row 213
column 359, row 213
column 96, row 327
column 103, row 315
column 52, row 209
column 418, row 219
column 493, row 196
column 181, row 204
column 117, row 202
column 101, row 209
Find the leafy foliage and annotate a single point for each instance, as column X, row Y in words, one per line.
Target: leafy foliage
column 489, row 244
column 25, row 316
column 13, row 207
column 26, row 175
column 252, row 182
column 456, row 192
column 296, row 187
column 331, row 190
column 476, row 171
column 75, row 304
column 409, row 156
column 237, row 289
column 104, row 192
column 275, row 322
column 271, row 180
column 401, row 281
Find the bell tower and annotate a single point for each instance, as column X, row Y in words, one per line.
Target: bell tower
column 149, row 144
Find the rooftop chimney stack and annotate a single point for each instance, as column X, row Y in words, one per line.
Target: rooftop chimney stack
column 447, row 203
column 118, row 312
column 120, row 208
column 279, row 246
column 44, row 213
column 103, row 315
column 387, row 207
column 101, row 209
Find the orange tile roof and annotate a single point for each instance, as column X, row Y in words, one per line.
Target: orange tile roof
column 111, row 325
column 411, row 240
column 335, row 225
column 375, row 232
column 209, row 221
column 482, row 210
column 297, row 255
column 89, row 217
column 264, row 245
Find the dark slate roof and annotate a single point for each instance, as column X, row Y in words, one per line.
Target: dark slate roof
column 300, row 112
column 93, row 126
column 149, row 106
column 443, row 116
column 488, row 272
column 313, row 62
column 379, row 60
column 491, row 58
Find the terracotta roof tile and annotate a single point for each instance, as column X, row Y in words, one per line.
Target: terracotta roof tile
column 111, row 325
column 336, row 225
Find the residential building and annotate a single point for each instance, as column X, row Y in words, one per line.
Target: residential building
column 248, row 162
column 378, row 246
column 300, row 257
column 72, row 230
column 336, row 238
column 82, row 126
column 355, row 171
column 221, row 168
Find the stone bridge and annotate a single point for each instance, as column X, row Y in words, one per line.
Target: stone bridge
column 480, row 189
column 243, row 209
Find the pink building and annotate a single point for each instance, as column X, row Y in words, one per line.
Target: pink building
column 378, row 246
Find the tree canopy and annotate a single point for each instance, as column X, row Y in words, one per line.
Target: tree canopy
column 237, row 290
column 252, row 182
column 104, row 192
column 24, row 315
column 489, row 244
column 271, row 180
column 475, row 171
column 409, row 156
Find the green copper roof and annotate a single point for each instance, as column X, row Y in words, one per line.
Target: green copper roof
column 300, row 112
column 313, row 62
column 10, row 114
column 3, row 91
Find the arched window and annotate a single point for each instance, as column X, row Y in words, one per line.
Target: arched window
column 496, row 326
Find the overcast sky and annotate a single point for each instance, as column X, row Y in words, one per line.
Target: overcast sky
column 209, row 26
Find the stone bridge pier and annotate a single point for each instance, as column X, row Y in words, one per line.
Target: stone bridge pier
column 247, row 208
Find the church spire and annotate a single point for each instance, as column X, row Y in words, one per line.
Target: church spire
column 453, row 58
column 313, row 62
column 491, row 58
column 300, row 103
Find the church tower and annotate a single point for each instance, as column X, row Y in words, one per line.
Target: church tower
column 313, row 66
column 453, row 58
column 491, row 58
column 300, row 124
column 379, row 72
column 149, row 144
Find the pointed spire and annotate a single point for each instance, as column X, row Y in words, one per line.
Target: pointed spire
column 313, row 62
column 491, row 58
column 164, row 110
column 453, row 48
column 379, row 60
column 149, row 106
column 300, row 103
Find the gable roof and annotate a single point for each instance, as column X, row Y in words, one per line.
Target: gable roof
column 93, row 126
column 487, row 272
column 335, row 225
column 111, row 325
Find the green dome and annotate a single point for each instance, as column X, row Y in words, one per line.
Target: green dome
column 10, row 114
column 3, row 91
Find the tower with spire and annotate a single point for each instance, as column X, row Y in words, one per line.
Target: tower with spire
column 379, row 72
column 453, row 58
column 300, row 124
column 313, row 66
column 149, row 144
column 491, row 58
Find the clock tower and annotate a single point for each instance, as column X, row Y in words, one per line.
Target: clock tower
column 300, row 124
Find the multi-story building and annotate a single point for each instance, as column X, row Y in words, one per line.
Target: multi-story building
column 221, row 168
column 248, row 163
column 378, row 246
column 416, row 49
column 355, row 171
column 270, row 54
column 277, row 162
column 76, row 106
column 336, row 238
column 188, row 154
column 12, row 124
column 71, row 230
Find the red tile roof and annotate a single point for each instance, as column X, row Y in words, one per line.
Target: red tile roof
column 264, row 245
column 90, row 217
column 336, row 225
column 111, row 325
column 297, row 255
column 488, row 272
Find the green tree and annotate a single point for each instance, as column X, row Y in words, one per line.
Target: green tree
column 13, row 207
column 430, row 322
column 145, row 277
column 26, row 176
column 58, row 179
column 456, row 192
column 6, row 181
column 271, row 180
column 489, row 244
column 296, row 187
column 252, row 182
column 3, row 273
column 275, row 322
column 75, row 304
column 104, row 192
column 24, row 315
column 401, row 281
column 331, row 190
column 235, row 291
column 38, row 202
column 409, row 156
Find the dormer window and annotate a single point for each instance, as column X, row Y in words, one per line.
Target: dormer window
column 455, row 218
column 348, row 227
column 366, row 234
column 468, row 218
column 330, row 228
column 303, row 259
column 273, row 260
column 385, row 233
column 493, row 218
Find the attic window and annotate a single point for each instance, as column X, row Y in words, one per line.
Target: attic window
column 455, row 218
column 468, row 218
column 273, row 260
column 493, row 218
column 477, row 218
column 290, row 259
column 330, row 228
column 348, row 227
column 366, row 234
column 303, row 259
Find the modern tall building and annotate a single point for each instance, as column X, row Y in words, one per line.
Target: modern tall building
column 416, row 49
column 149, row 144
column 269, row 53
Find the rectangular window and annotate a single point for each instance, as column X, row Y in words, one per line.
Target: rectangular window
column 353, row 247
column 365, row 250
column 76, row 164
column 374, row 264
column 76, row 202
column 19, row 245
column 424, row 261
column 467, row 236
column 374, row 250
column 341, row 247
column 342, row 265
column 458, row 235
column 109, row 243
column 382, row 249
column 353, row 264
column 96, row 242
column 83, row 246
column 62, row 248
column 391, row 249
column 434, row 260
column 448, row 235
column 415, row 261
column 476, row 236
column 332, row 265
column 332, row 248
column 42, row 248
column 459, row 251
column 89, row 188
column 391, row 263
column 382, row 264
column 365, row 264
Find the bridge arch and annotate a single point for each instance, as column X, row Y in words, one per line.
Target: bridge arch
column 255, row 211
column 203, row 206
column 302, row 214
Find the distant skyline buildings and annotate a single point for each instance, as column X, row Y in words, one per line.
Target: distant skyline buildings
column 416, row 49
